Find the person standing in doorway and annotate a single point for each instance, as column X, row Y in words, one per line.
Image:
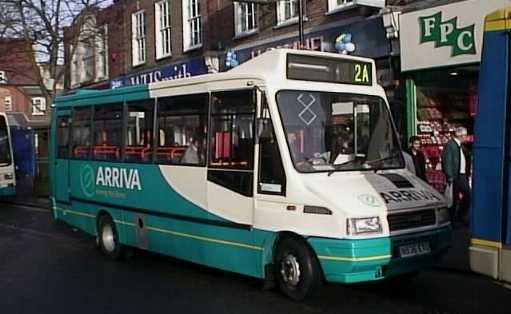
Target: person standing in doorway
column 419, row 160
column 455, row 166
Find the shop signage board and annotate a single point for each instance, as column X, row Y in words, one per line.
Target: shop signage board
column 369, row 36
column 445, row 35
column 175, row 71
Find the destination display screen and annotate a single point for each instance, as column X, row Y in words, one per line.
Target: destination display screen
column 333, row 70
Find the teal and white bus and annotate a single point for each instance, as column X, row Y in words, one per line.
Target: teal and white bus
column 7, row 176
column 286, row 168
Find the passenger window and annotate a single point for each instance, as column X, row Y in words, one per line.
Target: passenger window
column 139, row 134
column 182, row 130
column 232, row 123
column 63, row 137
column 272, row 178
column 81, row 138
column 107, row 132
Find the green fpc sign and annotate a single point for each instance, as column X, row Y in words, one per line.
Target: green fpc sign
column 447, row 34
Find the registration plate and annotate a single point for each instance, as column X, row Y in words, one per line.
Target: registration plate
column 414, row 249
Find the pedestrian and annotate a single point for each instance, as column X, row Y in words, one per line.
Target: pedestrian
column 455, row 166
column 419, row 160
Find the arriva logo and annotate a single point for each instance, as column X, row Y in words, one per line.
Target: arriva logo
column 447, row 34
column 120, row 178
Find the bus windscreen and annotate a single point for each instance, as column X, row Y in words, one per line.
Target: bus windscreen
column 5, row 150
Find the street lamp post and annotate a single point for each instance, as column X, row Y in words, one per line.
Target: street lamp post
column 300, row 16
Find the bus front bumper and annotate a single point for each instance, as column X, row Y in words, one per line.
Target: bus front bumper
column 7, row 190
column 352, row 261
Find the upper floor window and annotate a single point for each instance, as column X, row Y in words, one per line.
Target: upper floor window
column 336, row 4
column 101, row 54
column 192, row 25
column 89, row 55
column 3, row 77
column 138, row 45
column 245, row 17
column 287, row 10
column 8, row 103
column 38, row 106
column 163, row 30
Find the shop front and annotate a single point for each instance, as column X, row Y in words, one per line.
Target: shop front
column 174, row 71
column 440, row 56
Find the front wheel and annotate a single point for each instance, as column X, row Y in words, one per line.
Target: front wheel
column 108, row 238
column 297, row 270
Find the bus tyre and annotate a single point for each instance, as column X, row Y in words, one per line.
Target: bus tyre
column 108, row 238
column 297, row 270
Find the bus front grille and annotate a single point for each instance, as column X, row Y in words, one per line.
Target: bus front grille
column 411, row 220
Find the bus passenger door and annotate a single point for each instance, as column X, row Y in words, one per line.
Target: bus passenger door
column 62, row 154
column 271, row 177
column 231, row 155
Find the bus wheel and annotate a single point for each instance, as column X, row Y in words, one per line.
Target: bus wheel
column 108, row 238
column 297, row 269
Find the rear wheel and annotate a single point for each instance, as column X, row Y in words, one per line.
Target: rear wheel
column 108, row 238
column 297, row 270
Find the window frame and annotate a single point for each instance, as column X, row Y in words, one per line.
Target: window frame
column 8, row 102
column 3, row 77
column 333, row 6
column 72, row 130
column 253, row 114
column 125, row 124
column 281, row 10
column 101, row 54
column 138, row 41
column 205, row 115
column 163, row 29
column 240, row 14
column 41, row 111
column 58, row 145
column 188, row 30
column 95, row 109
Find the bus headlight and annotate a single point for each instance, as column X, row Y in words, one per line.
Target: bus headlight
column 364, row 225
column 9, row 176
column 442, row 216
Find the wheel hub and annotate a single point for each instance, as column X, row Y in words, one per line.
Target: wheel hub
column 108, row 239
column 290, row 270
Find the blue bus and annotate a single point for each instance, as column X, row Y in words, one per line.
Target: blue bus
column 7, row 175
column 490, row 248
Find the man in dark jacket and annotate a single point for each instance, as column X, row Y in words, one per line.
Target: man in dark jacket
column 455, row 166
column 419, row 161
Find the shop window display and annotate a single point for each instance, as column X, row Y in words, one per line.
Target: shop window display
column 445, row 100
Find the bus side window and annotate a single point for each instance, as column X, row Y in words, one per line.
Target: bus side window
column 63, row 137
column 139, row 134
column 182, row 130
column 107, row 132
column 81, row 133
column 272, row 178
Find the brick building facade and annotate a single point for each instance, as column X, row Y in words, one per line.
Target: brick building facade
column 220, row 28
column 20, row 93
